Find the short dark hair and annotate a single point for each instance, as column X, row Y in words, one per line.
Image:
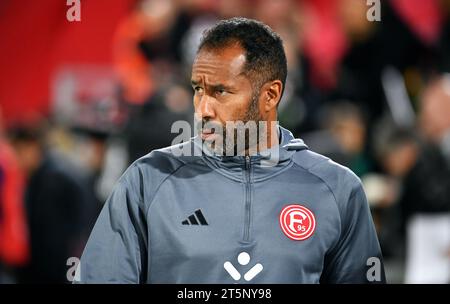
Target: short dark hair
column 265, row 56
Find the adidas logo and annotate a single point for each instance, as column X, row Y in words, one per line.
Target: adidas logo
column 196, row 219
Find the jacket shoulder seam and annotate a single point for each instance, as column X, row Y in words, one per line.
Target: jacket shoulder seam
column 322, row 179
column 183, row 164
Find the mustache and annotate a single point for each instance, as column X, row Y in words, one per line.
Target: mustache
column 208, row 124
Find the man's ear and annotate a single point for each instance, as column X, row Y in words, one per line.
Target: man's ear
column 272, row 94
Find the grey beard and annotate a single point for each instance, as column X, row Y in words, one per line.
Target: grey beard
column 237, row 132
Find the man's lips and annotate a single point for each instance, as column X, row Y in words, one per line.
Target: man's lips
column 208, row 134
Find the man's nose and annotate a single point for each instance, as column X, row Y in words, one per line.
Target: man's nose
column 205, row 109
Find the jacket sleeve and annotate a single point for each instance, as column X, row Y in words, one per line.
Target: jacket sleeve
column 116, row 251
column 356, row 257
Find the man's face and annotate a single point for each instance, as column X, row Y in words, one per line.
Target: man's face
column 222, row 93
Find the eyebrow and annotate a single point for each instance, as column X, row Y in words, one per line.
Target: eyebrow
column 213, row 86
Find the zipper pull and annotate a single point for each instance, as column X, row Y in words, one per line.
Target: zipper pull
column 247, row 162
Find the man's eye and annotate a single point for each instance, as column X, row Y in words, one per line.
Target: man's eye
column 198, row 89
column 221, row 92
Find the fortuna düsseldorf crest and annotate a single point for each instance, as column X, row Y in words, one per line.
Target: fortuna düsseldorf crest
column 297, row 222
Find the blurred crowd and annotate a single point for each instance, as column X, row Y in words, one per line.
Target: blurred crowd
column 371, row 95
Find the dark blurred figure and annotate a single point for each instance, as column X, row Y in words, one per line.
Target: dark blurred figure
column 434, row 116
column 423, row 176
column 342, row 57
column 56, row 203
column 346, row 56
column 343, row 137
column 444, row 42
column 149, row 125
column 91, row 171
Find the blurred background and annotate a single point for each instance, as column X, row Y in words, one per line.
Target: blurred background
column 81, row 100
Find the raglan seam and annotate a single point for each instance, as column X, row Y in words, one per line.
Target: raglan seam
column 332, row 193
column 155, row 192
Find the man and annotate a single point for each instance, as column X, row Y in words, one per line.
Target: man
column 234, row 219
column 57, row 205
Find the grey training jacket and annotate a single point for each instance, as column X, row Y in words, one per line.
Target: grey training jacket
column 211, row 219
